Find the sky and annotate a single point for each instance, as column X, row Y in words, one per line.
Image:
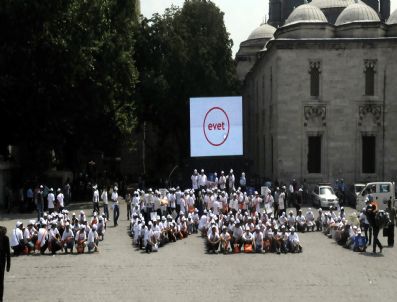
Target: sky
column 241, row 16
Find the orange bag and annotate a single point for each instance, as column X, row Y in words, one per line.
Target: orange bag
column 236, row 249
column 247, row 248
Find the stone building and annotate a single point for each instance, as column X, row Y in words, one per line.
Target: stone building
column 320, row 99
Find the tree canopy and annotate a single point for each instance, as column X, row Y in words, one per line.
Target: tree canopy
column 186, row 52
column 67, row 76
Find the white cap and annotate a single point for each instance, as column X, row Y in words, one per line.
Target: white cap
column 18, row 224
column 292, row 229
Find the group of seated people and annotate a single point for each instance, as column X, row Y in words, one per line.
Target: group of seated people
column 240, row 232
column 59, row 231
column 160, row 230
column 346, row 231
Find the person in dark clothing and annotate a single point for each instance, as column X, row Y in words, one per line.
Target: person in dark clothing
column 5, row 260
column 371, row 211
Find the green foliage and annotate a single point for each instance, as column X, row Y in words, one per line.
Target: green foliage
column 67, row 75
column 184, row 53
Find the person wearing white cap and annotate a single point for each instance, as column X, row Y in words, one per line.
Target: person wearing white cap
column 243, row 182
column 213, row 240
column 230, row 181
column 104, row 197
column 95, row 199
column 293, row 242
column 222, row 181
column 50, row 201
column 360, row 242
column 248, row 240
column 195, row 180
column 101, row 227
column 257, row 203
column 310, row 224
column 300, row 222
column 60, row 199
column 92, row 240
column 67, row 239
column 258, row 240
column 30, row 235
column 80, row 240
column 115, row 206
column 54, row 243
column 41, row 243
column 281, row 202
column 16, row 242
column 320, row 220
column 225, row 240
column 202, row 180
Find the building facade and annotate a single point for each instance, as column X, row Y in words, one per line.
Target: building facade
column 320, row 100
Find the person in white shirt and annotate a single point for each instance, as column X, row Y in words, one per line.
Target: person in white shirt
column 81, row 239
column 281, row 202
column 216, row 206
column 54, row 237
column 243, row 182
column 50, row 201
column 216, row 181
column 93, row 239
column 293, row 242
column 202, row 180
column 42, row 238
column 258, row 203
column 310, row 223
column 231, row 180
column 225, row 240
column 222, row 181
column 300, row 222
column 258, row 240
column 213, row 241
column 195, row 180
column 95, row 199
column 105, row 200
column 30, row 235
column 16, row 242
column 115, row 206
column 248, row 239
column 67, row 239
column 60, row 199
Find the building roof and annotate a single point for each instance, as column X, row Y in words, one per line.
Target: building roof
column 264, row 31
column 357, row 12
column 393, row 18
column 323, row 4
column 306, row 13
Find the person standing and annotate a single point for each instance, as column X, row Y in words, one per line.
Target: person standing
column 29, row 200
column 105, row 200
column 115, row 206
column 243, row 182
column 5, row 259
column 281, row 202
column 202, row 180
column 231, row 180
column 39, row 202
column 371, row 210
column 95, row 199
column 222, row 181
column 50, row 201
column 60, row 198
column 195, row 181
column 390, row 228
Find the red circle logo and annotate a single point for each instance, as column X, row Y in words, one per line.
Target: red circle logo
column 216, row 126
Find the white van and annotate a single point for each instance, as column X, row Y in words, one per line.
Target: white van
column 381, row 191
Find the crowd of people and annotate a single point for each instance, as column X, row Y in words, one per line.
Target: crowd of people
column 58, row 231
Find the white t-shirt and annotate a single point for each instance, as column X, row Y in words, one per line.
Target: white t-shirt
column 66, row 234
column 17, row 237
column 92, row 236
column 60, row 198
column 50, row 199
column 95, row 197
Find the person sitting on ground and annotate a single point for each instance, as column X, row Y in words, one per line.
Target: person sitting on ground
column 17, row 243
column 213, row 240
column 310, row 223
column 54, row 243
column 93, row 240
column 360, row 242
column 225, row 240
column 293, row 242
column 67, row 239
column 258, row 240
column 248, row 240
column 300, row 222
column 81, row 239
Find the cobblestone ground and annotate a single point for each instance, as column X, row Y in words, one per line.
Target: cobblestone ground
column 183, row 272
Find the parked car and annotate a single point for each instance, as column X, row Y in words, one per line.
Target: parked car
column 324, row 196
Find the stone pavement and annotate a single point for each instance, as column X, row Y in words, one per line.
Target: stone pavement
column 182, row 271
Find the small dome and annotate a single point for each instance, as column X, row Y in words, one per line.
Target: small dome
column 306, row 13
column 357, row 12
column 393, row 18
column 265, row 31
column 323, row 4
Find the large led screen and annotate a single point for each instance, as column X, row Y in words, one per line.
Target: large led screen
column 216, row 126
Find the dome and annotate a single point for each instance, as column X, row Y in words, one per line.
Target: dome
column 324, row 4
column 306, row 13
column 393, row 18
column 357, row 12
column 264, row 31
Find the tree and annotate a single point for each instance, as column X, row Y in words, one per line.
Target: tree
column 184, row 53
column 67, row 77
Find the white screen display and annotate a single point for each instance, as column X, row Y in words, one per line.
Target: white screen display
column 216, row 126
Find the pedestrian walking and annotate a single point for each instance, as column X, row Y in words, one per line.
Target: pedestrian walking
column 5, row 259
